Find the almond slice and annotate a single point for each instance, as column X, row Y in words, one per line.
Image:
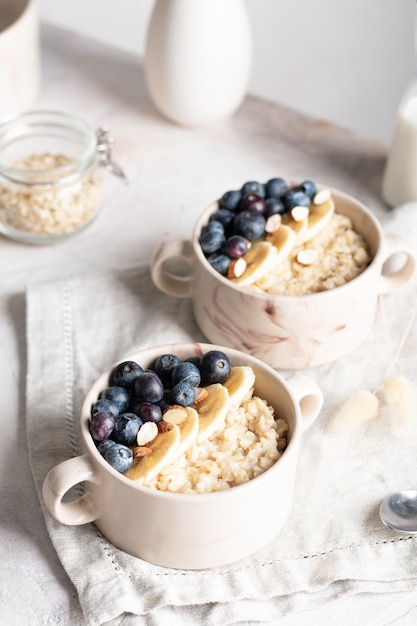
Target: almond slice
column 236, row 268
column 139, row 451
column 147, row 433
column 300, row 213
column 322, row 196
column 307, row 257
column 273, row 223
column 202, row 393
column 165, row 427
column 176, row 414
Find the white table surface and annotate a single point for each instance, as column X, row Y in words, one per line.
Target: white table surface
column 174, row 173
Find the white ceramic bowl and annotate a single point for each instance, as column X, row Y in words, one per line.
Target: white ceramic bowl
column 190, row 531
column 287, row 332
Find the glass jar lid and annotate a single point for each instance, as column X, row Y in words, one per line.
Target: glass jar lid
column 52, row 132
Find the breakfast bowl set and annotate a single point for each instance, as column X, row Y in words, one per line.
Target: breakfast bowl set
column 201, row 437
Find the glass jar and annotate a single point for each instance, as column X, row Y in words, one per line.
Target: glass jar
column 50, row 187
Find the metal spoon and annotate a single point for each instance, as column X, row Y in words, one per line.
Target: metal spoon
column 399, row 511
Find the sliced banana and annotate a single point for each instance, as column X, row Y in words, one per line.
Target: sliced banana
column 212, row 411
column 283, row 240
column 319, row 216
column 188, row 430
column 164, row 450
column 260, row 259
column 299, row 227
column 240, row 384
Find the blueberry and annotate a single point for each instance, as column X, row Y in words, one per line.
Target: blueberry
column 104, row 405
column 220, row 262
column 276, row 188
column 186, row 372
column 211, row 241
column 126, row 428
column 183, row 393
column 236, row 246
column 223, row 216
column 164, row 403
column 253, row 186
column 149, row 387
column 295, row 197
column 120, row 457
column 104, row 445
column 252, row 202
column 215, row 367
column 273, row 206
column 211, row 226
column 308, row 187
column 102, row 425
column 164, row 365
column 196, row 360
column 148, row 411
column 249, row 224
column 118, row 395
column 125, row 374
column 230, row 200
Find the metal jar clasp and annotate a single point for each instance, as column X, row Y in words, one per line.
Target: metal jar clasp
column 105, row 144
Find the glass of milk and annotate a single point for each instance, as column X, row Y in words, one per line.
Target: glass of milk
column 399, row 184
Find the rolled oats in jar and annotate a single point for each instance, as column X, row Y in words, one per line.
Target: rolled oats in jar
column 50, row 186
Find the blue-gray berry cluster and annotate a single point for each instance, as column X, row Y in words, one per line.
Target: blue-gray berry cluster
column 241, row 216
column 137, row 396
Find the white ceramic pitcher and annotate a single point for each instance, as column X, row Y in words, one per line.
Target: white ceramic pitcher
column 198, row 59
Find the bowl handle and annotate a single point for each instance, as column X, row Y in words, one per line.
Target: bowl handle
column 59, row 480
column 174, row 283
column 309, row 397
column 393, row 276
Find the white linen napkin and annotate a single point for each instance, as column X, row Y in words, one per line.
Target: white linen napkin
column 334, row 543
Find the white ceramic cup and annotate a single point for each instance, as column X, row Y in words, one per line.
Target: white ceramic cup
column 187, row 531
column 19, row 55
column 287, row 332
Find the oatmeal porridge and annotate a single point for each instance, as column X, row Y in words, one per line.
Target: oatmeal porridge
column 334, row 257
column 249, row 442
